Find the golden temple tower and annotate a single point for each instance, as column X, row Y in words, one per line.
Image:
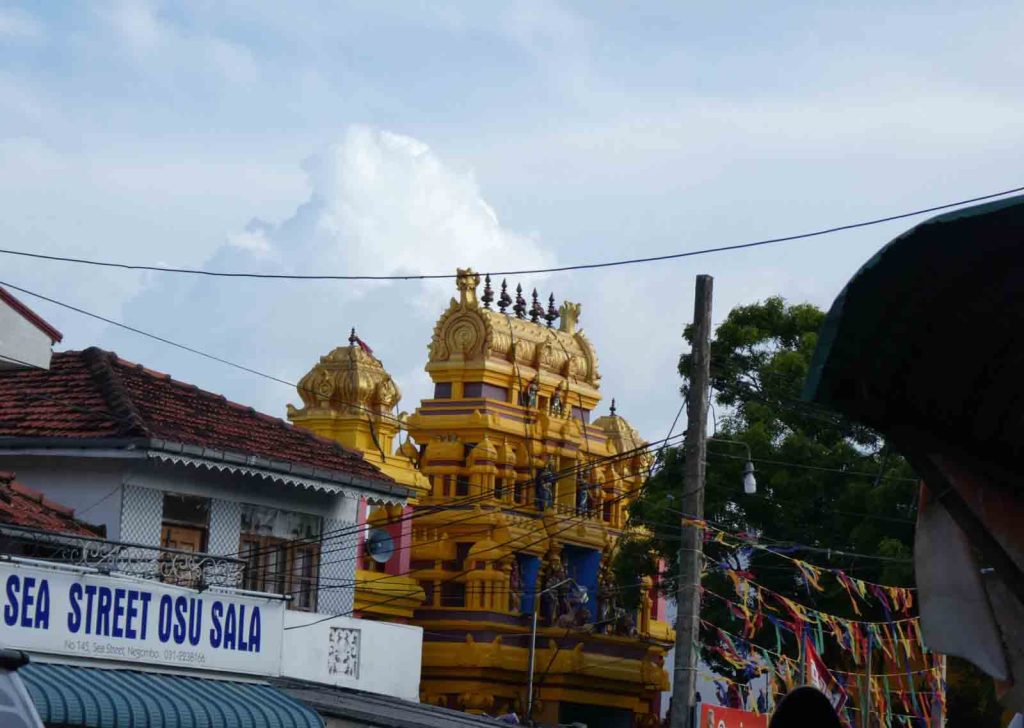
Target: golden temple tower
column 522, row 500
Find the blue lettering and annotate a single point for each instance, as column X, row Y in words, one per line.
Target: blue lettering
column 164, row 627
column 27, row 600
column 103, row 613
column 28, row 605
column 90, row 595
column 119, row 595
column 254, row 630
column 43, row 606
column 131, row 611
column 231, row 629
column 242, row 644
column 195, row 621
column 11, row 610
column 75, row 615
column 144, row 598
column 216, row 633
column 180, row 605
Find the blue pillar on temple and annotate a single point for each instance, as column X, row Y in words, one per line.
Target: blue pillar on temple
column 583, row 565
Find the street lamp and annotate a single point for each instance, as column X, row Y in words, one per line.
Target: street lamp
column 749, row 481
column 584, row 597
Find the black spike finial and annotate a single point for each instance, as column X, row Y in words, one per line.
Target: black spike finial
column 352, row 338
column 520, row 307
column 488, row 292
column 504, row 300
column 612, row 408
column 536, row 310
column 552, row 313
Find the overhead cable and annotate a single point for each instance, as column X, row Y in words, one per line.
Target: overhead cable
column 527, row 271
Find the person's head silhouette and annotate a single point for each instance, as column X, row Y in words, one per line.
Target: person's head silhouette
column 804, row 708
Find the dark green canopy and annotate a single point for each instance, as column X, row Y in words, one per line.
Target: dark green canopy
column 926, row 342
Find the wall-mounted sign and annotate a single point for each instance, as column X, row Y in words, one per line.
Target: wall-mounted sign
column 60, row 612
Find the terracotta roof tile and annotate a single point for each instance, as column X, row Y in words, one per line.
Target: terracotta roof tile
column 94, row 394
column 22, row 506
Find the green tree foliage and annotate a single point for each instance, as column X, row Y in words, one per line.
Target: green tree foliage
column 823, row 482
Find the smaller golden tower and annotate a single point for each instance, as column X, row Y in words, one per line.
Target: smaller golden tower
column 349, row 397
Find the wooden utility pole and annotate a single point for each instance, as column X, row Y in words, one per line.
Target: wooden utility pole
column 684, row 676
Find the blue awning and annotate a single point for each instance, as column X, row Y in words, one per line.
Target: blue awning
column 97, row 698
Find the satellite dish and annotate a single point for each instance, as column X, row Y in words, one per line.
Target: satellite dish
column 379, row 545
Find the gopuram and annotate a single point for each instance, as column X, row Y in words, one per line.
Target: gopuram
column 521, row 497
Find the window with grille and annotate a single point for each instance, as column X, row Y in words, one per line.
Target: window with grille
column 281, row 551
column 184, row 527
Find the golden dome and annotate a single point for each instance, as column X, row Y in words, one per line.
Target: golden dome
column 348, row 380
column 484, row 450
column 469, row 331
column 622, row 437
column 507, row 454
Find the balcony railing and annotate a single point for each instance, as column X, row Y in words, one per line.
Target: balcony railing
column 171, row 566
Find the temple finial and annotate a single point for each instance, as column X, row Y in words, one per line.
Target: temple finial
column 536, row 310
column 488, row 292
column 612, row 408
column 504, row 300
column 520, row 307
column 352, row 338
column 467, row 281
column 552, row 313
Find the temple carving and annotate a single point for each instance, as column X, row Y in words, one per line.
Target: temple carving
column 522, row 495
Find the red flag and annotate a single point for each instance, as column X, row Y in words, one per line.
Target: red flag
column 818, row 676
column 363, row 346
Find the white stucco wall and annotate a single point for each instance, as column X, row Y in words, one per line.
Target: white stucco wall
column 189, row 480
column 388, row 657
column 21, row 340
column 92, row 486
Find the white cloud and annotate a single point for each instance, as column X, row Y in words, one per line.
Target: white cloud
column 168, row 46
column 381, row 203
column 137, row 22
column 16, row 24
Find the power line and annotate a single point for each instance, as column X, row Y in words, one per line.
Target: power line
column 529, row 271
column 185, row 347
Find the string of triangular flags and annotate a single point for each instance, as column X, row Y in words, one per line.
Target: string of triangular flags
column 898, row 636
column 894, row 600
column 757, row 607
column 899, row 701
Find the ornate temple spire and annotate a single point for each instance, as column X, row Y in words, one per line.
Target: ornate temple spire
column 352, row 338
column 488, row 292
column 504, row 300
column 552, row 313
column 611, row 409
column 536, row 310
column 520, row 307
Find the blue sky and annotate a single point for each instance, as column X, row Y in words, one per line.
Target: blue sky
column 386, row 137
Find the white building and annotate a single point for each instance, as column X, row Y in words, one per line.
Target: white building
column 25, row 338
column 159, row 462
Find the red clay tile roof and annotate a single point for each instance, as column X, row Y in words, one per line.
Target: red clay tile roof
column 22, row 506
column 93, row 394
column 29, row 315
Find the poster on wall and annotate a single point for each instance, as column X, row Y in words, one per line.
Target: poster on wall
column 62, row 612
column 715, row 716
